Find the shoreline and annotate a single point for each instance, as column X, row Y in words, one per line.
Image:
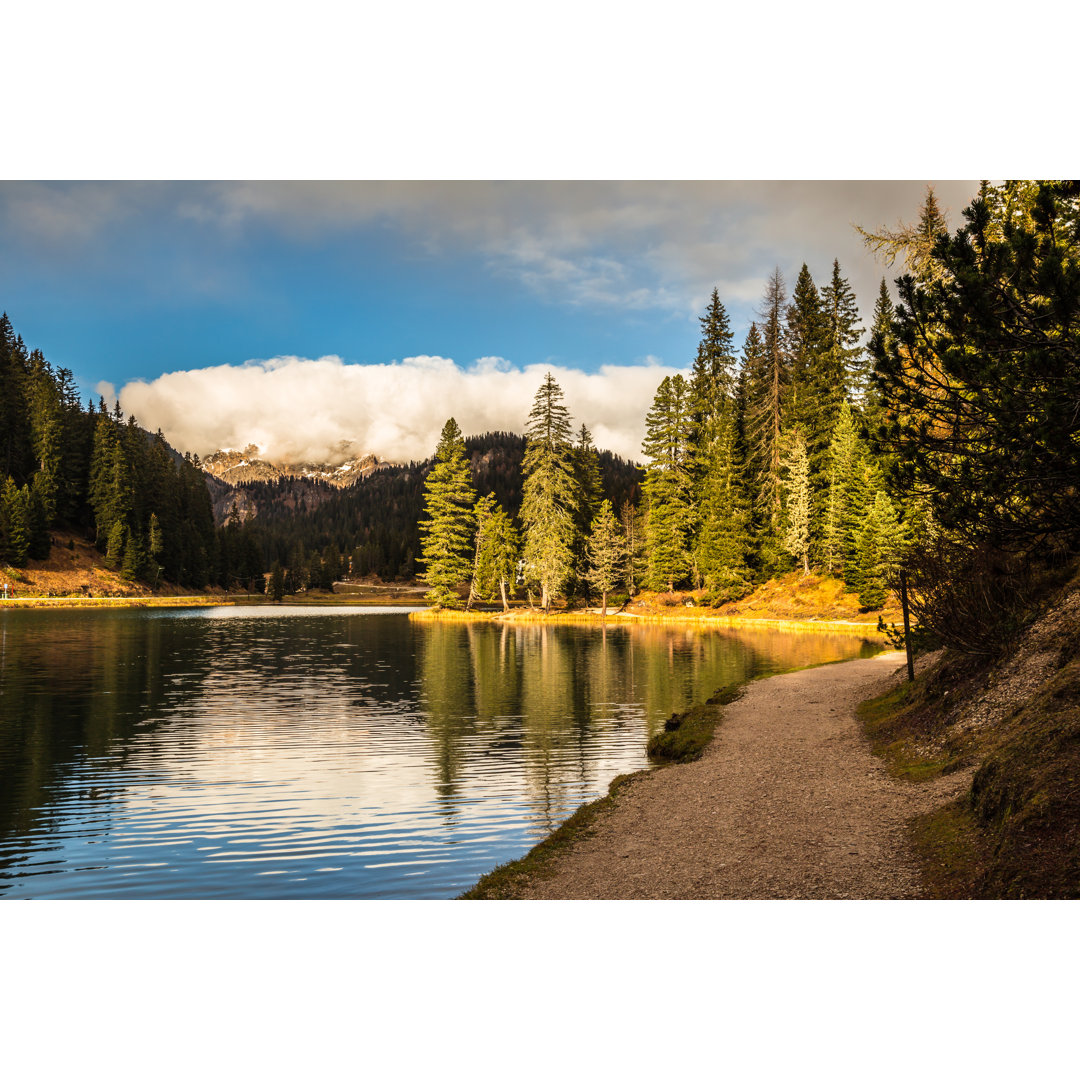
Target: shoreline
column 523, row 615
column 787, row 801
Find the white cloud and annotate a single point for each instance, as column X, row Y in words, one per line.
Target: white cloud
column 297, row 409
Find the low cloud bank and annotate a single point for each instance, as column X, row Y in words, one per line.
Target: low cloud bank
column 296, row 409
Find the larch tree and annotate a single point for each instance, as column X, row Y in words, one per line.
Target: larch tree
column 447, row 532
column 549, row 500
column 796, row 536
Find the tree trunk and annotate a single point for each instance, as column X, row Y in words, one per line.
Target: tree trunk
column 502, row 590
column 604, row 607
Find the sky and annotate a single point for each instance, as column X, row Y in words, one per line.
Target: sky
column 226, row 312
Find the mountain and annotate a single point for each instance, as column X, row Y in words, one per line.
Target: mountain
column 376, row 519
column 244, row 466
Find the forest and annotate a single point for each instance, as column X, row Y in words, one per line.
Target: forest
column 938, row 434
column 90, row 470
column 948, row 447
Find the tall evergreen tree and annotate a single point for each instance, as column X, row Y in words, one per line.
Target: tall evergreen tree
column 712, row 381
column 447, row 531
column 723, row 536
column 549, row 493
column 498, row 551
column 806, row 330
column 607, row 553
column 668, row 484
column 768, row 376
column 631, row 518
column 589, row 495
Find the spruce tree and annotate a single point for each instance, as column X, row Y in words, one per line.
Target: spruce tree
column 712, row 381
column 498, row 550
column 590, row 492
column 881, row 340
column 632, row 520
column 549, row 493
column 607, row 553
column 722, row 538
column 277, row 582
column 878, row 552
column 14, row 524
column 446, row 533
column 668, row 484
column 768, row 376
column 845, row 499
column 806, row 342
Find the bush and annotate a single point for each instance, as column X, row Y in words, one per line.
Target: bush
column 975, row 599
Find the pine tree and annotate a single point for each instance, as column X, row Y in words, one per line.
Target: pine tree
column 845, row 498
column 668, row 484
column 447, row 532
column 498, row 549
column 806, row 342
column 589, row 494
column 549, row 493
column 881, row 340
column 712, row 381
column 14, row 527
column 631, row 518
column 117, row 542
column 607, row 554
column 768, row 376
column 38, row 494
column 878, row 547
column 277, row 582
column 722, row 538
column 845, row 364
column 796, row 537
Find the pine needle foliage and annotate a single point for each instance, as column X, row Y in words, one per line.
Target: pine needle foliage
column 447, row 532
column 550, row 493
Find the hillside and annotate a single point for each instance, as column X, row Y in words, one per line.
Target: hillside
column 1014, row 722
column 74, row 567
column 794, row 597
column 376, row 520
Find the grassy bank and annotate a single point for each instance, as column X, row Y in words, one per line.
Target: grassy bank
column 558, row 618
column 1014, row 833
column 115, row 602
column 684, row 738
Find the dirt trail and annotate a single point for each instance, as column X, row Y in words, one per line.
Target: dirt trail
column 787, row 802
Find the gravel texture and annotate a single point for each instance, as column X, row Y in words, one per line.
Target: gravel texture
column 787, row 803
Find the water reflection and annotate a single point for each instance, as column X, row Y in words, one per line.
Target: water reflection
column 301, row 752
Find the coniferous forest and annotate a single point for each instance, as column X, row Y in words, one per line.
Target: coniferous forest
column 948, row 446
column 845, row 436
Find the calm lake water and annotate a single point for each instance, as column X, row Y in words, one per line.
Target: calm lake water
column 343, row 752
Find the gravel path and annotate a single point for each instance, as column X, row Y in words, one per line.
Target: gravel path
column 787, row 802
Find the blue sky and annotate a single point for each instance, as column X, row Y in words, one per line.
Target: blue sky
column 127, row 282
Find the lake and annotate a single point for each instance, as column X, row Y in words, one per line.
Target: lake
column 299, row 752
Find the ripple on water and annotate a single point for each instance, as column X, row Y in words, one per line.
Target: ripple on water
column 323, row 752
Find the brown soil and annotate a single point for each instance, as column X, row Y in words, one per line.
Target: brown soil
column 787, row 802
column 793, row 597
column 74, row 568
